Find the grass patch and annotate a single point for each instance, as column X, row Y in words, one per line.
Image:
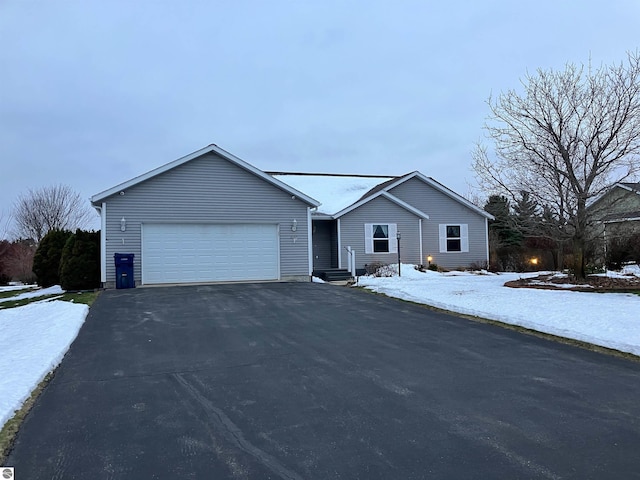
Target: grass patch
column 81, row 297
column 75, row 297
column 25, row 301
column 13, row 293
column 10, row 429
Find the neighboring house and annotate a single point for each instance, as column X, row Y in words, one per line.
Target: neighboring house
column 616, row 214
column 206, row 217
column 365, row 214
column 210, row 216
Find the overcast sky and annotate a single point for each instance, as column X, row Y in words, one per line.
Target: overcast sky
column 94, row 93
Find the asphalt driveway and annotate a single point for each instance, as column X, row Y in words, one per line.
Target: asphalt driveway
column 315, row 381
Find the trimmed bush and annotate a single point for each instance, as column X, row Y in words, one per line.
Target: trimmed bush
column 621, row 250
column 80, row 262
column 46, row 262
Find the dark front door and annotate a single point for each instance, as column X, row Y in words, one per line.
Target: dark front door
column 325, row 244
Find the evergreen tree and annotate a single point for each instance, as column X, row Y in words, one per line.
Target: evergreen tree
column 46, row 262
column 526, row 215
column 504, row 225
column 80, row 261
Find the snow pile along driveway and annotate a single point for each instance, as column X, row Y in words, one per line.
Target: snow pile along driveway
column 606, row 319
column 35, row 337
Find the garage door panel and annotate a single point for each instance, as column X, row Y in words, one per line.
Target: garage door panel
column 177, row 253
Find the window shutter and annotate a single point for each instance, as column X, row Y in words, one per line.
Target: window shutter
column 393, row 241
column 464, row 237
column 368, row 238
column 443, row 237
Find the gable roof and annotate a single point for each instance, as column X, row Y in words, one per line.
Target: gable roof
column 389, row 185
column 340, row 194
column 335, row 191
column 629, row 186
column 203, row 151
column 388, row 196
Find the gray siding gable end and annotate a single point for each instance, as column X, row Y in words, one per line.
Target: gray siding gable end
column 220, row 153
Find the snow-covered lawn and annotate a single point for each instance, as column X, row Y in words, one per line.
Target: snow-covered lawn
column 35, row 337
column 607, row 319
column 34, row 293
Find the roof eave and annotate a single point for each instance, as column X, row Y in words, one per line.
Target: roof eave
column 388, row 196
column 441, row 188
column 203, row 151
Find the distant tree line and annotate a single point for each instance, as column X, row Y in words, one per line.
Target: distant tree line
column 42, row 241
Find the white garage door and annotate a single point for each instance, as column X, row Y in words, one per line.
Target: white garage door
column 181, row 253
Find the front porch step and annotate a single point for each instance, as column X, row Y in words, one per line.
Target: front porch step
column 333, row 274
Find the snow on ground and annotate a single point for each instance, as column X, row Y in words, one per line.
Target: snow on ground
column 35, row 337
column 11, row 288
column 35, row 293
column 606, row 319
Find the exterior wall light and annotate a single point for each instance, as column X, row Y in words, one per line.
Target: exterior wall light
column 294, row 225
column 123, row 225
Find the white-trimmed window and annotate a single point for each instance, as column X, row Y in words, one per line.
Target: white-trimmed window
column 380, row 238
column 454, row 237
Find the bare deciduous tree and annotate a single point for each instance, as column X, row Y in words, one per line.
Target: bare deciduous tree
column 566, row 139
column 4, row 225
column 49, row 208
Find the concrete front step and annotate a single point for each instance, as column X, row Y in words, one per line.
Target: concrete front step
column 334, row 274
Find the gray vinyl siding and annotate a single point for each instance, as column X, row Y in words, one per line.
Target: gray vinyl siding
column 208, row 189
column 380, row 210
column 442, row 209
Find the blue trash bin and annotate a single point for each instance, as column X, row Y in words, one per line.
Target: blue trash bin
column 124, row 270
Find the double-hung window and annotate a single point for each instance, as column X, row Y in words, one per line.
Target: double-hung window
column 454, row 237
column 380, row 237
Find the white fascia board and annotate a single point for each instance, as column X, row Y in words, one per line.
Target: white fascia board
column 629, row 189
column 211, row 148
column 441, row 188
column 321, row 216
column 389, row 197
column 621, row 220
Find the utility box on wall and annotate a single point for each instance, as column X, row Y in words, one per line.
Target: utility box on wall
column 124, row 270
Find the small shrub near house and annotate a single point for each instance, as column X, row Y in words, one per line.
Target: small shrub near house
column 46, row 262
column 378, row 269
column 622, row 250
column 80, row 261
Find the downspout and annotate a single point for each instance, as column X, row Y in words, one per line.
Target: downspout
column 486, row 236
column 339, row 245
column 310, row 242
column 420, row 236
